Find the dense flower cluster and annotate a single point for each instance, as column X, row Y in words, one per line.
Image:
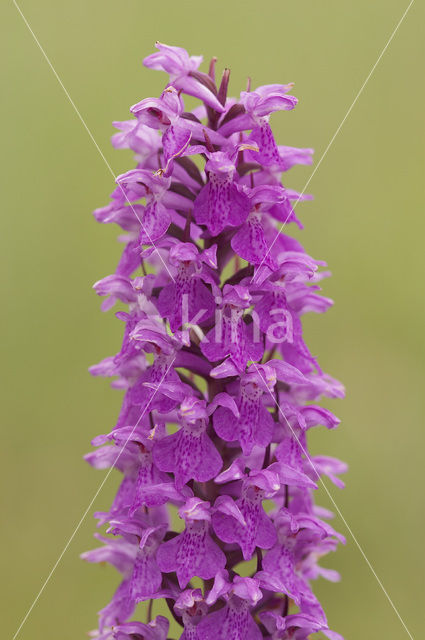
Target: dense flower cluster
column 219, row 384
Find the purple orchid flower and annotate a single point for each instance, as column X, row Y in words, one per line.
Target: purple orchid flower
column 220, row 203
column 164, row 114
column 191, row 606
column 154, row 217
column 256, row 107
column 141, row 139
column 189, row 453
column 193, row 552
column 188, row 295
column 231, row 336
column 297, row 626
column 254, row 529
column 233, row 621
column 146, row 578
column 219, row 387
column 182, row 70
column 121, row 607
column 245, row 418
column 151, row 487
column 155, row 630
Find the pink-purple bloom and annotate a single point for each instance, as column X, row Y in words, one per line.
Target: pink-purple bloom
column 220, row 389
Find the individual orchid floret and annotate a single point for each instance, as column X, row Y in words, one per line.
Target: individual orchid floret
column 257, row 107
column 120, row 553
column 187, row 300
column 231, row 336
column 219, row 387
column 151, row 337
column 119, row 609
column 164, row 114
column 159, row 113
column 268, row 99
column 141, row 139
column 327, row 466
column 296, row 626
column 117, row 287
column 247, row 420
column 154, row 630
column 191, row 606
column 252, row 240
column 279, row 564
column 146, row 578
column 291, row 156
column 281, row 208
column 193, row 552
column 154, row 217
column 291, row 562
column 278, row 317
column 183, row 73
column 152, row 487
column 258, row 529
column 234, row 620
column 220, row 203
column 189, row 453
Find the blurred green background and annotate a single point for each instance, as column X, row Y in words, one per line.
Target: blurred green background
column 366, row 221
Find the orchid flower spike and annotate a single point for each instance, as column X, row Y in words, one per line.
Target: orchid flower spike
column 220, row 389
